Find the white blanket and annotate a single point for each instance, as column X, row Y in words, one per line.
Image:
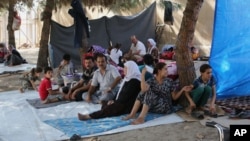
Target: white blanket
column 20, row 121
column 24, row 67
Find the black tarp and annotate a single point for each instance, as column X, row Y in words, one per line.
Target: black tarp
column 103, row 30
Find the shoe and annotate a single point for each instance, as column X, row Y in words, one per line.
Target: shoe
column 197, row 115
column 208, row 113
column 243, row 114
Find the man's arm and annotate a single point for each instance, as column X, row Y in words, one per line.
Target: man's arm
column 77, row 86
column 116, row 81
column 137, row 52
column 84, row 87
column 90, row 93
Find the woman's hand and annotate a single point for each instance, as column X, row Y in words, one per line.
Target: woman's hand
column 187, row 88
column 144, row 70
column 110, row 102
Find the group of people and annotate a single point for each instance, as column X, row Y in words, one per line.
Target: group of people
column 139, row 90
column 10, row 56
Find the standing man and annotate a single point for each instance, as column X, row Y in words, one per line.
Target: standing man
column 107, row 78
column 137, row 49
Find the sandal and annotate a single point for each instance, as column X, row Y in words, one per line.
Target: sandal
column 197, row 115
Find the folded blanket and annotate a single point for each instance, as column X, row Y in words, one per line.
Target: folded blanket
column 36, row 103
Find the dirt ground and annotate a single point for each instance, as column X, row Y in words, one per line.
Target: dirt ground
column 185, row 131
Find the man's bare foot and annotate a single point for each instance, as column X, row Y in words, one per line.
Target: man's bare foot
column 128, row 117
column 21, row 90
column 139, row 120
column 83, row 117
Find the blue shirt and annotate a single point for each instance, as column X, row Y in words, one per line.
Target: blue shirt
column 199, row 82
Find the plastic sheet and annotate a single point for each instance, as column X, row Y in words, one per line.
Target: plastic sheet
column 231, row 48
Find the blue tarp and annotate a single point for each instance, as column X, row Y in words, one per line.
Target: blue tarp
column 230, row 50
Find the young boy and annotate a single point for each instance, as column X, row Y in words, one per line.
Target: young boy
column 45, row 88
column 203, row 87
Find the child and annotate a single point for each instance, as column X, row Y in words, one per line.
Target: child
column 203, row 87
column 116, row 53
column 28, row 79
column 195, row 53
column 66, row 68
column 45, row 88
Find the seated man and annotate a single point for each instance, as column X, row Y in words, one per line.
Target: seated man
column 107, row 78
column 75, row 93
column 137, row 49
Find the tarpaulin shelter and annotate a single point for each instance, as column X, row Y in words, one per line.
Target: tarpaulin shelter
column 116, row 29
column 230, row 50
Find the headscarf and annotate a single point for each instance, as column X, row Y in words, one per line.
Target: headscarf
column 153, row 43
column 132, row 72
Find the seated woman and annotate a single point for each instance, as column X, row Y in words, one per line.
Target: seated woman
column 152, row 49
column 125, row 99
column 156, row 94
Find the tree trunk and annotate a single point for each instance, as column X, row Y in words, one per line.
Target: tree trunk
column 184, row 60
column 11, row 33
column 42, row 60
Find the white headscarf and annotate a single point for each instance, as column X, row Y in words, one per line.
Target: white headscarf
column 153, row 43
column 132, row 72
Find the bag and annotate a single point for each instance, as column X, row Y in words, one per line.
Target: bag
column 16, row 23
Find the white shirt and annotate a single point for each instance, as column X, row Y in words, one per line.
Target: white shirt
column 104, row 81
column 139, row 46
column 115, row 55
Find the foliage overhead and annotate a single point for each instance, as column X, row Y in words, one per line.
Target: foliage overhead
column 20, row 4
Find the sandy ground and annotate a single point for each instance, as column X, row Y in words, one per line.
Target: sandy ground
column 185, row 131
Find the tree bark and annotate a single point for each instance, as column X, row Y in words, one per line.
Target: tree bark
column 184, row 60
column 11, row 33
column 43, row 54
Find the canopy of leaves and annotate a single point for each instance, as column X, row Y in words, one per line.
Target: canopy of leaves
column 4, row 4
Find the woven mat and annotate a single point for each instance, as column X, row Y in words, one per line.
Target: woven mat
column 242, row 102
